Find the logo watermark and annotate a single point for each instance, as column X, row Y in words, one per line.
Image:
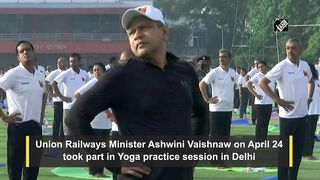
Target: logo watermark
column 280, row 25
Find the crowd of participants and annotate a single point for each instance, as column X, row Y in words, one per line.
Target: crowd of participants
column 218, row 92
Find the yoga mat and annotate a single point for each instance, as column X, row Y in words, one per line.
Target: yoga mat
column 274, row 114
column 315, row 161
column 238, row 169
column 273, row 128
column 240, row 122
column 76, row 172
column 2, row 164
column 270, row 178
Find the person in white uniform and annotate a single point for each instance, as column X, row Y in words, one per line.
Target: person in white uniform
column 222, row 81
column 57, row 102
column 25, row 94
column 101, row 124
column 72, row 79
column 296, row 86
column 249, row 75
column 263, row 103
column 313, row 115
column 243, row 94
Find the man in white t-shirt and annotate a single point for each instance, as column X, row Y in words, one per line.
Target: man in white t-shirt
column 243, row 94
column 25, row 94
column 222, row 81
column 72, row 79
column 263, row 103
column 296, row 87
column 249, row 75
column 57, row 102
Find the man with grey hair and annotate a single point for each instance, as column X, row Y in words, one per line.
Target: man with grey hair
column 296, row 87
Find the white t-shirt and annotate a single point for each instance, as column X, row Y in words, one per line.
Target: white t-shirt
column 100, row 121
column 42, row 71
column 242, row 82
column 314, row 107
column 265, row 98
column 24, row 92
column 236, row 78
column 222, row 84
column 71, row 81
column 293, row 86
column 252, row 72
column 90, row 75
column 50, row 78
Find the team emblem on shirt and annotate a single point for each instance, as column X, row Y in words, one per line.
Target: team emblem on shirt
column 40, row 83
column 82, row 78
column 232, row 78
column 305, row 73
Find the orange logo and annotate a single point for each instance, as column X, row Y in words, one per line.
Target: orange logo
column 143, row 9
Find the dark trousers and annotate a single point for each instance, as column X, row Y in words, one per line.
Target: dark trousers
column 244, row 98
column 220, row 123
column 254, row 113
column 99, row 132
column 309, row 136
column 295, row 127
column 58, row 118
column 16, row 149
column 236, row 99
column 263, row 118
column 253, row 109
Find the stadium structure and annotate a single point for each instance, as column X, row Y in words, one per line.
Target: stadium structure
column 60, row 27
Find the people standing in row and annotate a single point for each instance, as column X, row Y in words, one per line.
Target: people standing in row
column 313, row 115
column 71, row 79
column 263, row 103
column 25, row 93
column 141, row 106
column 296, row 87
column 57, row 130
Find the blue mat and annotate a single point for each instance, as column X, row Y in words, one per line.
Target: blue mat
column 270, row 178
column 240, row 122
column 2, row 164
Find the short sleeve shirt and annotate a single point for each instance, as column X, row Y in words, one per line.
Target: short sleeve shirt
column 71, row 82
column 222, row 83
column 50, row 78
column 24, row 92
column 292, row 83
column 100, row 121
column 265, row 98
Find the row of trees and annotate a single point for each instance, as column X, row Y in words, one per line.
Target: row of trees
column 248, row 30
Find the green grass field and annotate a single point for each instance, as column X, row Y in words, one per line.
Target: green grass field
column 308, row 169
